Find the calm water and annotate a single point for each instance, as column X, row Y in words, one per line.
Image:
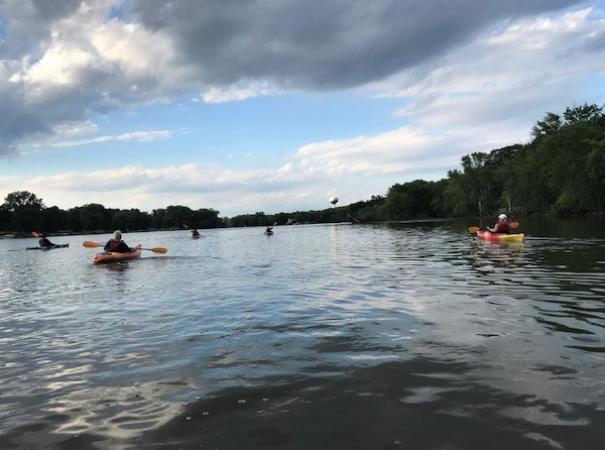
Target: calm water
column 411, row 336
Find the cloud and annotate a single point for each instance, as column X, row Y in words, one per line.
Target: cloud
column 75, row 128
column 322, row 44
column 218, row 94
column 137, row 136
column 471, row 78
column 399, row 151
column 70, row 61
column 513, row 74
column 353, row 168
column 86, row 63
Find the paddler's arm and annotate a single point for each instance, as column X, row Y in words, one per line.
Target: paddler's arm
column 123, row 248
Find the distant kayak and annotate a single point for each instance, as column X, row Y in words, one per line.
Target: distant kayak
column 109, row 257
column 52, row 247
column 196, row 236
column 500, row 237
column 268, row 233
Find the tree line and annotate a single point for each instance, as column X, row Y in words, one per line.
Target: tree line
column 23, row 211
column 560, row 171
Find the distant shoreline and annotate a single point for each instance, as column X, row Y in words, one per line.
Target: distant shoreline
column 151, row 230
column 80, row 233
column 425, row 220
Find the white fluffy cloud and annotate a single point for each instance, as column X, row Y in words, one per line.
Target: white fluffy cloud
column 148, row 188
column 353, row 168
column 137, row 136
column 513, row 74
column 86, row 63
column 484, row 92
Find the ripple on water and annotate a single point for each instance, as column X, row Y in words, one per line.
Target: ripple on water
column 420, row 324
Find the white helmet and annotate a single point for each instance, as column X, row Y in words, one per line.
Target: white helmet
column 117, row 235
column 502, row 217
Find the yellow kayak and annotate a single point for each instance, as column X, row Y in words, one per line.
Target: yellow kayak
column 500, row 237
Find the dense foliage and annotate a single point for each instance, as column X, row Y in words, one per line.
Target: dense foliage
column 561, row 171
column 23, row 211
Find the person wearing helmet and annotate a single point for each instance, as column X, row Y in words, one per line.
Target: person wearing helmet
column 501, row 226
column 116, row 244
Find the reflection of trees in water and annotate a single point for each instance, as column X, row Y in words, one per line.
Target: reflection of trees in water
column 483, row 253
column 560, row 280
column 581, row 256
column 420, row 404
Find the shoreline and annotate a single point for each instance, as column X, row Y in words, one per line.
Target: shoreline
column 20, row 235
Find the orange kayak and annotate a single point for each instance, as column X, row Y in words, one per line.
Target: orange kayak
column 500, row 237
column 109, row 257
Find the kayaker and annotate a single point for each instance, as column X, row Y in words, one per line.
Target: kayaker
column 501, row 226
column 44, row 242
column 269, row 230
column 195, row 233
column 116, row 244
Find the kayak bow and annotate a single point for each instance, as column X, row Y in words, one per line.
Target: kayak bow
column 109, row 257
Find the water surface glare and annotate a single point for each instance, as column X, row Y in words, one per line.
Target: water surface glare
column 324, row 337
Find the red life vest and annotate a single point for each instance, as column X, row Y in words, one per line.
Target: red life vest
column 502, row 227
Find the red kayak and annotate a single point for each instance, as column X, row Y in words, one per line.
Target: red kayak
column 500, row 237
column 109, row 257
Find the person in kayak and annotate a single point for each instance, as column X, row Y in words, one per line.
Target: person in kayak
column 195, row 233
column 116, row 244
column 269, row 230
column 44, row 242
column 501, row 226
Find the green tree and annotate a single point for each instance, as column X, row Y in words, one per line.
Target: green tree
column 25, row 210
column 596, row 174
column 55, row 219
column 177, row 216
column 94, row 217
column 18, row 200
column 550, row 124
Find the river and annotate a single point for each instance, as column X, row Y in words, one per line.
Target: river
column 390, row 336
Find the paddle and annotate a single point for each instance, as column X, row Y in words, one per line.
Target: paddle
column 474, row 229
column 91, row 244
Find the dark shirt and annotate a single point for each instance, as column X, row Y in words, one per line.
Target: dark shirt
column 117, row 246
column 44, row 242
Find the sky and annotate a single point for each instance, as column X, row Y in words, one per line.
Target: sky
column 264, row 105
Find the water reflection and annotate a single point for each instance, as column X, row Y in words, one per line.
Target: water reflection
column 379, row 336
column 420, row 404
column 485, row 255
